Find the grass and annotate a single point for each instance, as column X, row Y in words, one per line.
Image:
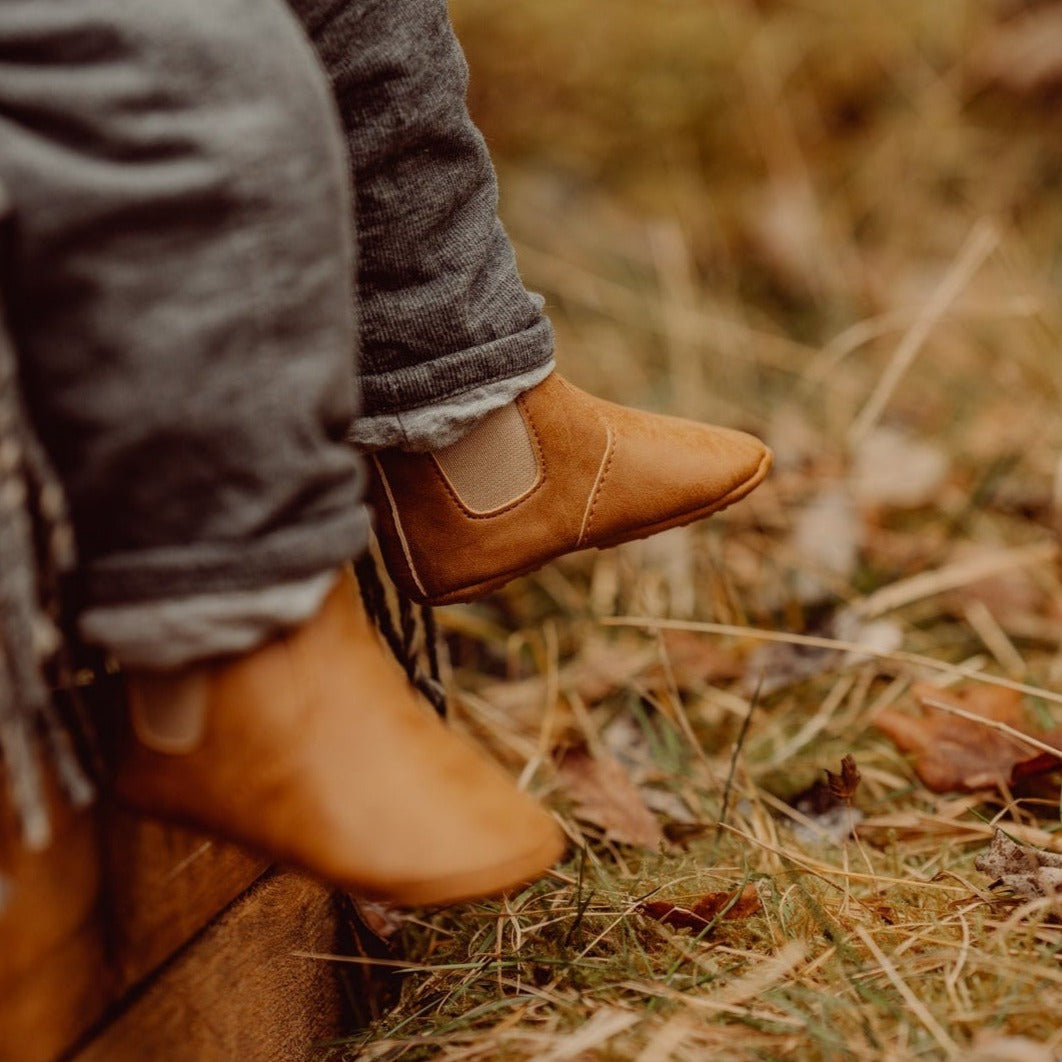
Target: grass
column 812, row 220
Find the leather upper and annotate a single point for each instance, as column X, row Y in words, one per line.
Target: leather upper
column 607, row 474
column 318, row 752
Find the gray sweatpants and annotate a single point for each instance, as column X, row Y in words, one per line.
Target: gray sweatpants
column 183, row 296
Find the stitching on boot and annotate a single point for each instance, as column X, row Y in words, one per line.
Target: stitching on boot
column 398, row 526
column 599, row 482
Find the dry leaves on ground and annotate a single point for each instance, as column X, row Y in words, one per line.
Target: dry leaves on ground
column 1028, row 872
column 776, row 666
column 828, row 805
column 603, row 667
column 705, row 911
column 955, row 753
column 605, row 796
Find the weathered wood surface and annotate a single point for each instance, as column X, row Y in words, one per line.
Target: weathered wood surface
column 54, row 977
column 241, row 991
column 117, row 895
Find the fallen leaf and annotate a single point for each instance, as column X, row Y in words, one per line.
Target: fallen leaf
column 1041, row 764
column 828, row 806
column 605, row 796
column 1026, row 871
column 843, row 786
column 707, row 910
column 955, row 753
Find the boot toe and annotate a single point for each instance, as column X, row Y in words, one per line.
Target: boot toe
column 666, row 472
column 606, row 475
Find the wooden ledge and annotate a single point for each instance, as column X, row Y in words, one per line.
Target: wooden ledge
column 118, row 899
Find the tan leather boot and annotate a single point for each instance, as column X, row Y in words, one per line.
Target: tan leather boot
column 571, row 472
column 314, row 750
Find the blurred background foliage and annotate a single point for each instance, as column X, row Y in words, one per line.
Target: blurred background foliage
column 836, row 223
column 714, row 193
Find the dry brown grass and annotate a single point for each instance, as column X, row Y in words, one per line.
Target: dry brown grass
column 810, row 220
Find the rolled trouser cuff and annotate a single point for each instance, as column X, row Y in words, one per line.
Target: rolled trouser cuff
column 173, row 633
column 179, row 290
column 427, row 406
column 435, row 426
column 284, row 555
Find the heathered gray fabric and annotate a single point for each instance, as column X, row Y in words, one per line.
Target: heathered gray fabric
column 184, row 237
column 179, row 281
column 169, row 634
column 447, row 327
column 435, row 426
column 179, row 288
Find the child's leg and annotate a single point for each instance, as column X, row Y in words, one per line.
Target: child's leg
column 449, row 332
column 473, row 487
column 179, row 293
column 182, row 312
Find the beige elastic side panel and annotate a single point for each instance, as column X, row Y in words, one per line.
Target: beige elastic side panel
column 494, row 464
column 169, row 711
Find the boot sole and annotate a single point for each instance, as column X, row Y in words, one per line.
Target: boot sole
column 481, row 884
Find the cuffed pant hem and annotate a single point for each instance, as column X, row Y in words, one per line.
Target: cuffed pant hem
column 173, row 633
column 423, row 407
column 432, row 427
column 286, row 555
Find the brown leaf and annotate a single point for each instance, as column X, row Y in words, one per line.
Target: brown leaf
column 955, row 753
column 1026, row 871
column 695, row 659
column 843, row 786
column 603, row 667
column 706, row 910
column 828, row 806
column 1042, row 763
column 605, row 796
